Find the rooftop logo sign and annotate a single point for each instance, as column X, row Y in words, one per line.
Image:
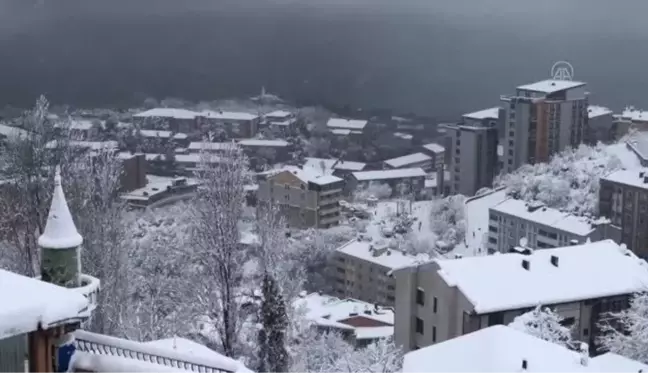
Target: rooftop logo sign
column 562, row 70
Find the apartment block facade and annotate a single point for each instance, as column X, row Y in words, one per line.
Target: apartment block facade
column 623, row 198
column 542, row 119
column 307, row 198
column 437, row 152
column 444, row 299
column 473, row 160
column 541, row 227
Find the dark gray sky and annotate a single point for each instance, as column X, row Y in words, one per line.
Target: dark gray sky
column 437, row 57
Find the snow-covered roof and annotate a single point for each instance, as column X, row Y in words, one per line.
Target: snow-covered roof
column 309, row 175
column 11, row 131
column 328, row 311
column 340, row 132
column 334, row 164
column 491, row 113
column 189, row 347
column 350, row 124
column 551, row 86
column 576, row 277
column 540, row 214
column 60, row 231
column 408, row 160
column 380, row 254
column 163, row 134
column 29, row 302
column 594, row 111
column 262, row 142
column 75, row 124
column 93, row 145
column 167, row 113
column 610, row 362
column 500, row 348
column 389, row 174
column 476, row 215
column 434, row 147
column 227, row 115
column 404, row 136
column 184, row 158
column 210, row 146
column 638, row 144
column 634, row 177
column 635, row 115
column 278, row 114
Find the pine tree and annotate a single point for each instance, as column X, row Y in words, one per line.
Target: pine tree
column 273, row 356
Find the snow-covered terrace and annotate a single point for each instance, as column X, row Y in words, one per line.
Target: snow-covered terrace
column 633, row 178
column 547, row 216
column 561, row 275
column 349, row 124
column 30, row 303
column 156, row 185
column 408, row 160
column 307, row 175
column 331, row 312
column 635, row 115
column 594, row 111
column 550, row 86
column 503, row 349
column 434, row 147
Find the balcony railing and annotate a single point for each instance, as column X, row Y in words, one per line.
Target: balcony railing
column 105, row 345
column 90, row 289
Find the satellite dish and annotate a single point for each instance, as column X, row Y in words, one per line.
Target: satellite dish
column 523, row 242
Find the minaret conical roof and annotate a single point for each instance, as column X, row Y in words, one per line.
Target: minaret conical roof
column 60, row 231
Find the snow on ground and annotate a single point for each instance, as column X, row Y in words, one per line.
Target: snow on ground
column 476, row 218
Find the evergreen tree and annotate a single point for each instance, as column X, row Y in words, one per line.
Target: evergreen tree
column 273, row 356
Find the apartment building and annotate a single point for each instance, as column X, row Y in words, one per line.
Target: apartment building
column 307, row 198
column 447, row 298
column 361, row 322
column 237, row 125
column 355, row 126
column 419, row 159
column 177, row 120
column 542, row 119
column 362, row 270
column 336, row 167
column 282, row 121
column 272, row 150
column 601, row 125
column 623, row 198
column 402, row 180
column 540, row 226
column 630, row 118
column 437, row 152
column 473, row 160
column 501, row 348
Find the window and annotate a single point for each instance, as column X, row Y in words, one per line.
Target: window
column 568, row 321
column 419, row 326
column 420, row 297
column 585, row 332
column 434, row 334
column 496, row 318
column 434, row 305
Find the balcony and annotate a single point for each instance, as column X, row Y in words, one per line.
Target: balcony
column 90, row 289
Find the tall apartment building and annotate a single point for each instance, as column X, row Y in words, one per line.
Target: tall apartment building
column 542, row 119
column 473, row 160
column 362, row 271
column 437, row 152
column 307, row 198
column 541, row 226
column 447, row 298
column 623, row 198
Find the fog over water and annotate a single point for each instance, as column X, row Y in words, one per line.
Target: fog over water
column 438, row 57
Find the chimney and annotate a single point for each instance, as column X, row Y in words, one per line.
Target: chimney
column 554, row 260
column 525, row 264
column 584, row 353
column 525, row 364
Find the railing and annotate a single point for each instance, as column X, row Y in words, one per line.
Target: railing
column 90, row 289
column 91, row 343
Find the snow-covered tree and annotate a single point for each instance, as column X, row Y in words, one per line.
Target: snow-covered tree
column 273, row 356
column 545, row 324
column 570, row 181
column 447, row 220
column 215, row 241
column 626, row 332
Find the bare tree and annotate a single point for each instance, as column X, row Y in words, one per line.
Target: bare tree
column 215, row 238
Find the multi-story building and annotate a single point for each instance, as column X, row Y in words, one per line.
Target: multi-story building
column 473, row 141
column 447, row 298
column 623, row 198
column 177, row 120
column 630, row 118
column 437, row 152
column 542, row 119
column 272, row 150
column 356, row 126
column 419, row 159
column 307, row 198
column 282, row 121
column 540, row 226
column 336, row 167
column 511, row 350
column 402, row 180
column 361, row 322
column 237, row 125
column 601, row 125
column 362, row 270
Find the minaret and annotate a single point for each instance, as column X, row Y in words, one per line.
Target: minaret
column 60, row 242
